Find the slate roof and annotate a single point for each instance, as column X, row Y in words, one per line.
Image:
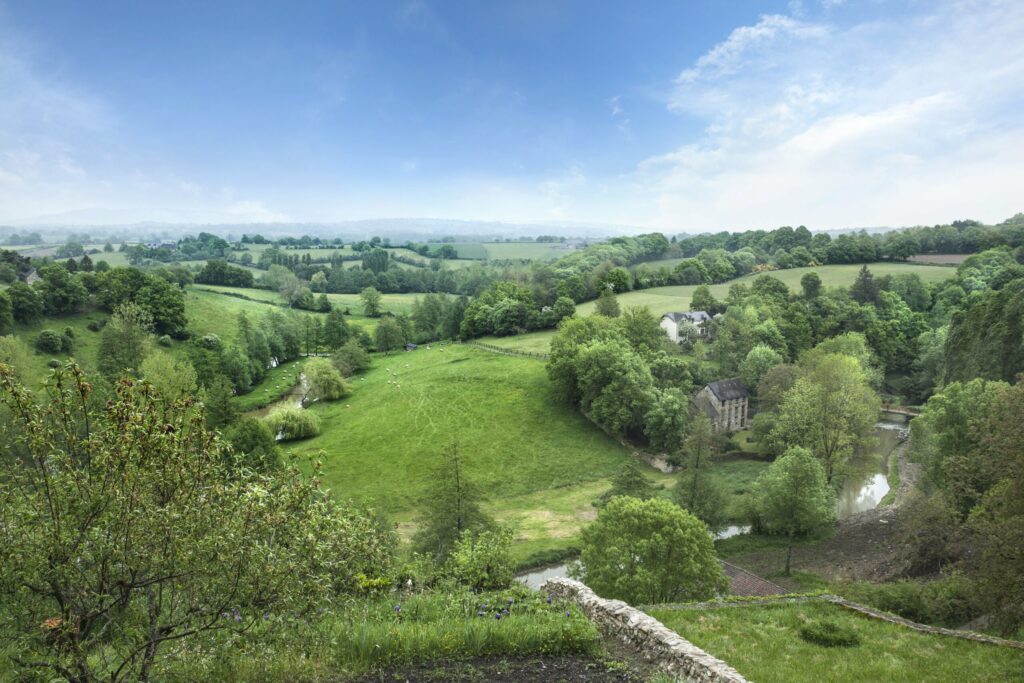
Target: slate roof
column 692, row 316
column 729, row 389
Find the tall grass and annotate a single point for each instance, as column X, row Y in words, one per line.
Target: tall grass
column 377, row 633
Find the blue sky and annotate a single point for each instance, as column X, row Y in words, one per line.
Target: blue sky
column 669, row 115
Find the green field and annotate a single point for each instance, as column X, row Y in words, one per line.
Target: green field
column 537, row 459
column 762, row 642
column 677, row 297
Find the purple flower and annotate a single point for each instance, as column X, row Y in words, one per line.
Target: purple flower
column 497, row 615
column 549, row 598
column 398, row 608
column 567, row 613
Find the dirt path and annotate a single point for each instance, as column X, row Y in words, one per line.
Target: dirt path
column 865, row 546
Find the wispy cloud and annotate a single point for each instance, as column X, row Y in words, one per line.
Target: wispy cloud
column 883, row 123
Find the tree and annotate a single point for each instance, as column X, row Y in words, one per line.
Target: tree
column 650, row 551
column 483, row 560
column 450, row 507
column 336, row 330
column 254, row 445
column 830, row 411
column 703, row 300
column 388, row 336
column 124, row 340
column 607, row 303
column 165, row 303
column 324, row 381
column 291, row 423
column 371, row 302
column 6, row 313
column 758, row 362
column 810, row 283
column 108, row 552
column 351, row 358
column 172, row 378
column 629, row 481
column 864, row 289
column 60, row 291
column 219, row 408
column 793, row 498
column 773, row 386
column 665, row 421
column 697, row 490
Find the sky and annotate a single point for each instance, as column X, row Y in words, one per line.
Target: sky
column 666, row 115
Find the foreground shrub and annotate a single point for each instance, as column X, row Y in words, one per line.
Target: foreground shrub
column 129, row 528
column 289, row 423
column 950, row 601
column 650, row 551
column 829, row 634
column 482, row 560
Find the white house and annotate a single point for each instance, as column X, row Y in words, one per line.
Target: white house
column 726, row 404
column 670, row 323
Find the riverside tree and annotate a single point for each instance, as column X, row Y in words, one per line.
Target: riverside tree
column 650, row 551
column 830, row 410
column 128, row 528
column 793, row 498
column 697, row 490
column 324, row 381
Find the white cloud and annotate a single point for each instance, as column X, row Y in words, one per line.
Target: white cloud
column 885, row 123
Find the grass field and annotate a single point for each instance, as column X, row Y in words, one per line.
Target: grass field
column 677, row 298
column 762, row 642
column 534, row 456
column 535, row 342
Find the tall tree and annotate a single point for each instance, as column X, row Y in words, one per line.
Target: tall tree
column 864, row 289
column 697, row 490
column 607, row 303
column 830, row 410
column 629, row 481
column 450, row 507
column 371, row 302
column 793, row 498
column 125, row 340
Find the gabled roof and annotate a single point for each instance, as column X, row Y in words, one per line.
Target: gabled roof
column 692, row 316
column 729, row 389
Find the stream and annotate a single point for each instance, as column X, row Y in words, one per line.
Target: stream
column 866, row 481
column 292, row 399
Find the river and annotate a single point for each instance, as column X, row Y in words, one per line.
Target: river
column 866, row 481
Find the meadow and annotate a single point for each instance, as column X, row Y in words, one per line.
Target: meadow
column 677, row 297
column 762, row 642
column 537, row 460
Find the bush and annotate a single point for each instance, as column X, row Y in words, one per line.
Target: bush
column 482, row 560
column 950, row 601
column 96, row 325
column 351, row 358
column 53, row 363
column 69, row 333
column 288, row 424
column 49, row 341
column 164, row 340
column 829, row 634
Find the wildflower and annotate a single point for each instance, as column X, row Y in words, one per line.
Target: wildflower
column 549, row 598
column 567, row 613
column 398, row 608
column 510, row 601
column 52, row 623
column 497, row 615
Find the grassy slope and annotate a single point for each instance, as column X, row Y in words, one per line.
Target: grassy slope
column 516, row 438
column 763, row 644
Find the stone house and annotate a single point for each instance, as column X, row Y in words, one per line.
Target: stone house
column 726, row 403
column 670, row 323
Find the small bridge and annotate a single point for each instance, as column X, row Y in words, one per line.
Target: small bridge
column 907, row 412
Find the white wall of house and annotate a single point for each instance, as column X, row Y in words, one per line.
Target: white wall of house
column 671, row 329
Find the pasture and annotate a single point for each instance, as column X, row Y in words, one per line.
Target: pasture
column 537, row 460
column 762, row 642
column 662, row 300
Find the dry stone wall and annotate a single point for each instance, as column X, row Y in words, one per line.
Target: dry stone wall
column 645, row 635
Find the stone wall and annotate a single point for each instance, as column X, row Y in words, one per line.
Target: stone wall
column 645, row 635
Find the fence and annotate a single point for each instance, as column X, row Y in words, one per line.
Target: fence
column 507, row 351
